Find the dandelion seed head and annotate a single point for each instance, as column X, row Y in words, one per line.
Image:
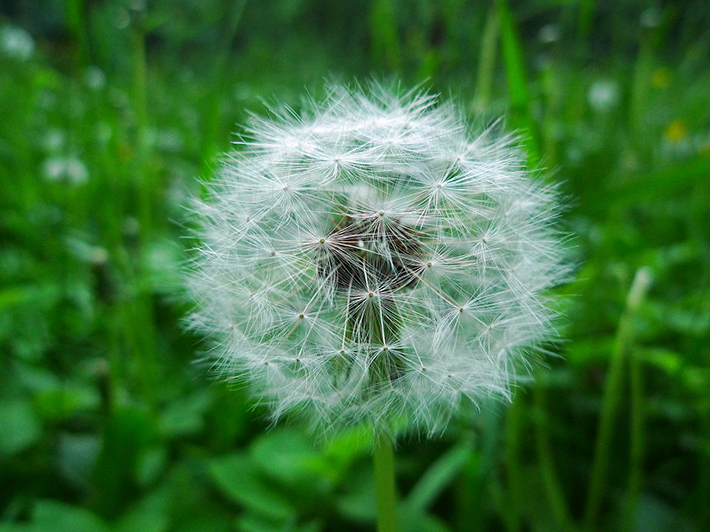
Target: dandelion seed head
column 374, row 260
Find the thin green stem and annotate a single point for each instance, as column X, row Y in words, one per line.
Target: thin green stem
column 641, row 86
column 555, row 493
column 612, row 398
column 586, row 17
column 699, row 216
column 138, row 313
column 385, row 484
column 77, row 25
column 479, row 483
column 513, row 442
column 703, row 518
column 637, row 441
column 140, row 103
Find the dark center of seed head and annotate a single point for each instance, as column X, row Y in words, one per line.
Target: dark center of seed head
column 362, row 254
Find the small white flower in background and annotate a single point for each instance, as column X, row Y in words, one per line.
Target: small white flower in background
column 604, row 95
column 67, row 169
column 94, row 78
column 549, row 33
column 651, row 17
column 54, row 140
column 16, row 43
column 372, row 260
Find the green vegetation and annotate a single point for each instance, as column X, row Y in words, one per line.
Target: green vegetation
column 112, row 110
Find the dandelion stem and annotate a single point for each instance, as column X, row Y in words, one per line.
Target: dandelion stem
column 513, row 436
column 385, row 485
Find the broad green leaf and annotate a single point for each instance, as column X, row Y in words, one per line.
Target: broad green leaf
column 348, row 445
column 289, row 456
column 75, row 456
column 15, row 295
column 258, row 523
column 16, row 527
column 126, row 434
column 239, row 478
column 255, row 523
column 359, row 501
column 664, row 359
column 53, row 516
column 185, row 415
column 67, row 400
column 655, row 515
column 20, row 427
column 421, row 522
column 150, row 514
column 151, row 461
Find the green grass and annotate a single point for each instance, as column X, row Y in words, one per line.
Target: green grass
column 111, row 421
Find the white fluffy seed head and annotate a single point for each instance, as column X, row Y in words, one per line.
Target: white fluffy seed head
column 374, row 261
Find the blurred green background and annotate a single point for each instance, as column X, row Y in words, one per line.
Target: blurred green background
column 109, row 112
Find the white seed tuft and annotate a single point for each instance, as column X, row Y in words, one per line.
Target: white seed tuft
column 374, row 261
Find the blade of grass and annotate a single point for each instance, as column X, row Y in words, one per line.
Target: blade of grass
column 641, row 85
column 216, row 95
column 438, row 477
column 699, row 224
column 487, row 62
column 586, row 17
column 478, row 484
column 139, row 316
column 385, row 41
column 75, row 16
column 637, row 442
column 612, row 398
column 519, row 92
column 703, row 518
column 521, row 106
column 140, row 108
